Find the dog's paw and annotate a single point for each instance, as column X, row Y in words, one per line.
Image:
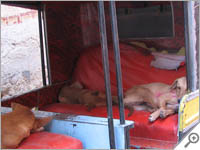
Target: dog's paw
column 151, row 118
column 162, row 114
column 90, row 107
column 130, row 112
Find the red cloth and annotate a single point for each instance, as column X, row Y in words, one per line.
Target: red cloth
column 161, row 129
column 47, row 140
column 135, row 66
column 136, row 70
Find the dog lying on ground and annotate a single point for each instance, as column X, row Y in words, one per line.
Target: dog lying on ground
column 18, row 124
column 76, row 94
column 159, row 98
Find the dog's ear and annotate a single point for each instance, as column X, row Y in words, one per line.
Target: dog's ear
column 14, row 105
column 40, row 122
column 174, row 85
column 77, row 85
column 17, row 106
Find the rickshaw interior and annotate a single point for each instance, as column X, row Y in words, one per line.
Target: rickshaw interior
column 74, row 52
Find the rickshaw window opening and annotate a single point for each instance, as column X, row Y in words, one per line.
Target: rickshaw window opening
column 23, row 48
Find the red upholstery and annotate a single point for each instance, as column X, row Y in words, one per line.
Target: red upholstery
column 165, row 129
column 135, row 66
column 136, row 69
column 47, row 140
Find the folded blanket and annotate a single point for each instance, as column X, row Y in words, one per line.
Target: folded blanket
column 167, row 61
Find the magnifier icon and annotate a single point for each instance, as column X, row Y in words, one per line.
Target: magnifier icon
column 193, row 138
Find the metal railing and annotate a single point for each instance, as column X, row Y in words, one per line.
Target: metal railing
column 104, row 45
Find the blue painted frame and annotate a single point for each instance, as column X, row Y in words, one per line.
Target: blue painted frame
column 91, row 131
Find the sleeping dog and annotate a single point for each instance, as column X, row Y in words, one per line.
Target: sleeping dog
column 77, row 94
column 159, row 98
column 18, row 124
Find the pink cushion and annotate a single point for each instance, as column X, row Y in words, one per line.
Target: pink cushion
column 47, row 140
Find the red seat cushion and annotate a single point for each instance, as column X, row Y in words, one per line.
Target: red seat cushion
column 136, row 69
column 47, row 140
column 161, row 129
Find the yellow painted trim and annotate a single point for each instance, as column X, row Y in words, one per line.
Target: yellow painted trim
column 191, row 112
column 188, row 111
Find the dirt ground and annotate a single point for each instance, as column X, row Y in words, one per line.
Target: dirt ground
column 20, row 56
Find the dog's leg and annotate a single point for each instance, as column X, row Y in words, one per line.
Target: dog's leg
column 90, row 107
column 165, row 109
column 40, row 123
column 138, row 95
column 129, row 103
column 174, row 107
column 130, row 108
column 100, row 103
column 154, row 115
column 150, row 109
column 165, row 112
column 115, row 100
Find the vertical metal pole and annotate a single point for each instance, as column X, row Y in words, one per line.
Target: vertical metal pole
column 46, row 44
column 117, row 60
column 104, row 47
column 41, row 46
column 191, row 63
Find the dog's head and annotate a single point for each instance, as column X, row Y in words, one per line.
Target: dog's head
column 179, row 86
column 18, row 124
column 76, row 84
column 19, row 107
column 38, row 124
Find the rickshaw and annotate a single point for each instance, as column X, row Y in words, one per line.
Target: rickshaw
column 67, row 29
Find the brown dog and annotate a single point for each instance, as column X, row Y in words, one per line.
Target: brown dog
column 76, row 94
column 159, row 98
column 17, row 125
